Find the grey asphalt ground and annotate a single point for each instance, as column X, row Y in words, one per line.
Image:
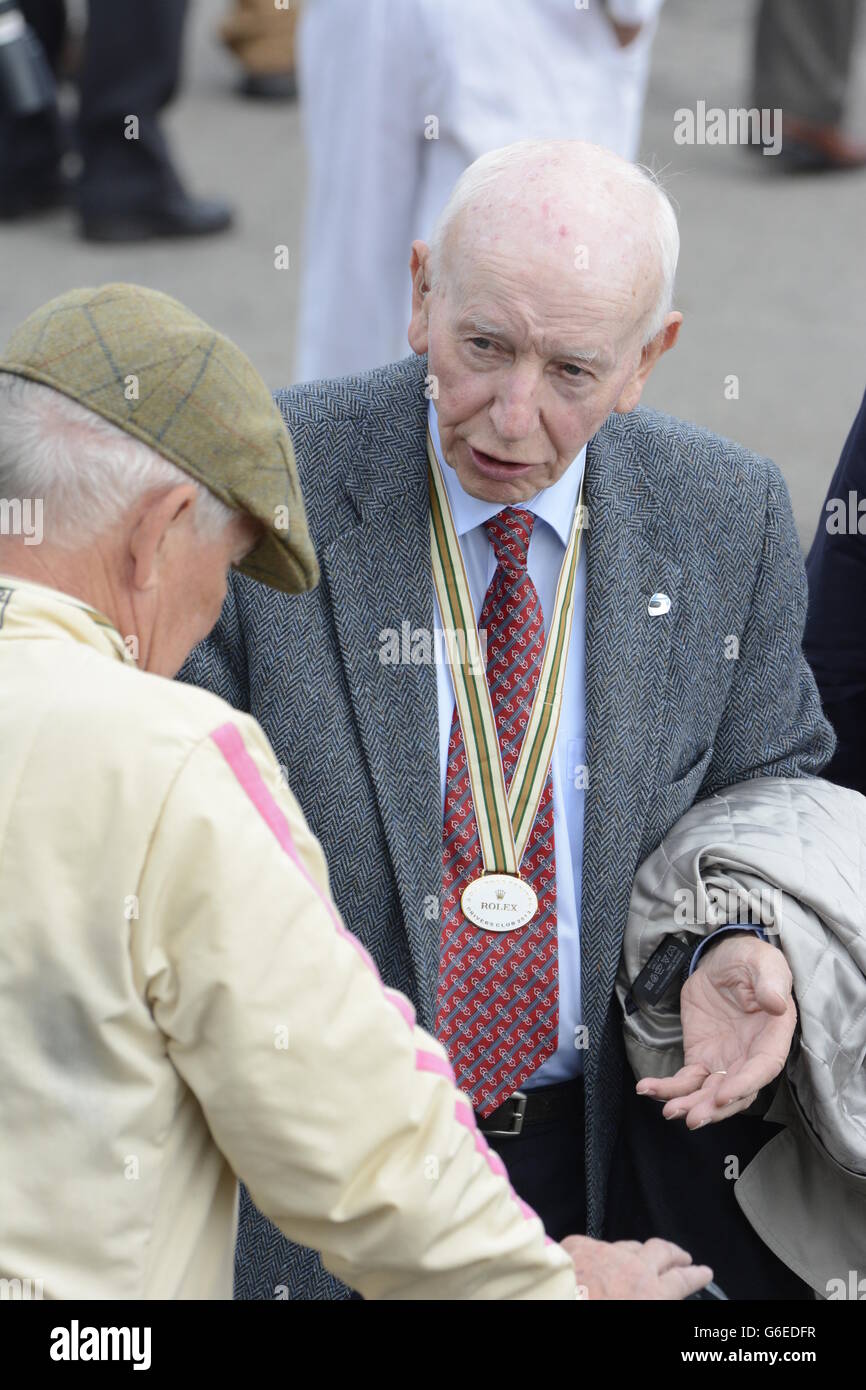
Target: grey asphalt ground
column 772, row 280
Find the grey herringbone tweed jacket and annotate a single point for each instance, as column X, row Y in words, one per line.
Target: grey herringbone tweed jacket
column 677, row 705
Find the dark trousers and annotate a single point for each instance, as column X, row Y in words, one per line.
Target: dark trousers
column 546, row 1168
column 131, row 67
column 803, row 53
column 665, row 1181
column 677, row 1183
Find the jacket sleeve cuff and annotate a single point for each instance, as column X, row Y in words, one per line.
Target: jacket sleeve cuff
column 755, row 931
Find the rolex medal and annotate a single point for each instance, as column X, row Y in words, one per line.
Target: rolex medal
column 499, row 902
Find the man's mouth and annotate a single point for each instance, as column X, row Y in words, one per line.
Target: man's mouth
column 493, row 467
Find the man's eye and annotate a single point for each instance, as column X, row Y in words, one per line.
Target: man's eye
column 571, row 369
column 481, row 343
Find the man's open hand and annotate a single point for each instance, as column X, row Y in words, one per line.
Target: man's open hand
column 738, row 1018
column 652, row 1269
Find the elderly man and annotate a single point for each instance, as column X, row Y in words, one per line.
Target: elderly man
column 180, row 1001
column 622, row 678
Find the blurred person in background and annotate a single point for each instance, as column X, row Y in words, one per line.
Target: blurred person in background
column 262, row 38
column 802, row 66
column 835, row 637
column 398, row 97
column 129, row 188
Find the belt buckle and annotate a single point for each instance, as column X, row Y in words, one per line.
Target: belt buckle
column 520, row 1099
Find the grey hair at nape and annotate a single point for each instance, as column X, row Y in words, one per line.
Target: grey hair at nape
column 86, row 470
column 483, row 175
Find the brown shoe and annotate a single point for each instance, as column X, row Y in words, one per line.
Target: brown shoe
column 808, row 148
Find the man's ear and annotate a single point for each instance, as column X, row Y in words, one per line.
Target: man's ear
column 419, row 269
column 650, row 354
column 161, row 516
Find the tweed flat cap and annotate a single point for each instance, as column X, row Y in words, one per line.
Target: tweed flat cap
column 142, row 360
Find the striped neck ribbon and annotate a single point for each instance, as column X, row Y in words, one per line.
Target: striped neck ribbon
column 504, row 817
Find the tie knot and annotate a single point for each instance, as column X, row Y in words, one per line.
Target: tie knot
column 510, row 532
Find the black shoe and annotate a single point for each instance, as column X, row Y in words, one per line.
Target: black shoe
column 269, row 86
column 175, row 217
column 29, row 199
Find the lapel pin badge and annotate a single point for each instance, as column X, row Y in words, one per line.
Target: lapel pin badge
column 658, row 604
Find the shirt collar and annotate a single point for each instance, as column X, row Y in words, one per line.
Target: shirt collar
column 32, row 610
column 554, row 504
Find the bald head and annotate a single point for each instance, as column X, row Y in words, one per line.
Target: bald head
column 543, row 302
column 578, row 206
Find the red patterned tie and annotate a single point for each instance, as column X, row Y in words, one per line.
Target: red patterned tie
column 498, row 1003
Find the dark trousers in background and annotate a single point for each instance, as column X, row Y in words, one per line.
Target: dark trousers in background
column 803, row 52
column 131, row 67
column 31, row 146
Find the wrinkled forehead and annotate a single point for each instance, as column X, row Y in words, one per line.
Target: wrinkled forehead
column 560, row 269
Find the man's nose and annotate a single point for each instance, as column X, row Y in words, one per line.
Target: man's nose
column 514, row 412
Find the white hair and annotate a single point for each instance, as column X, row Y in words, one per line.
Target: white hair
column 86, row 470
column 484, row 174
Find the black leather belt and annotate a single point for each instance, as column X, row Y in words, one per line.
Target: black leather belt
column 526, row 1108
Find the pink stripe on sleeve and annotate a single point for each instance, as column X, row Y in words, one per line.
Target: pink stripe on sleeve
column 228, row 740
column 230, row 743
column 465, row 1114
column 428, row 1061
column 401, row 1003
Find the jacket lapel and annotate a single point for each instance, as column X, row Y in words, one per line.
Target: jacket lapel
column 379, row 579
column 627, row 651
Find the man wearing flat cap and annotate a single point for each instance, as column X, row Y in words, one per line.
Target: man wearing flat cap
column 638, row 593
column 180, row 1001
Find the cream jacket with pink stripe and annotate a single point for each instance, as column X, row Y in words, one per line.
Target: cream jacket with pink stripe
column 181, row 1007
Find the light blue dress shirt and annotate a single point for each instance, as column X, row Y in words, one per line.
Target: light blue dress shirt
column 554, row 508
